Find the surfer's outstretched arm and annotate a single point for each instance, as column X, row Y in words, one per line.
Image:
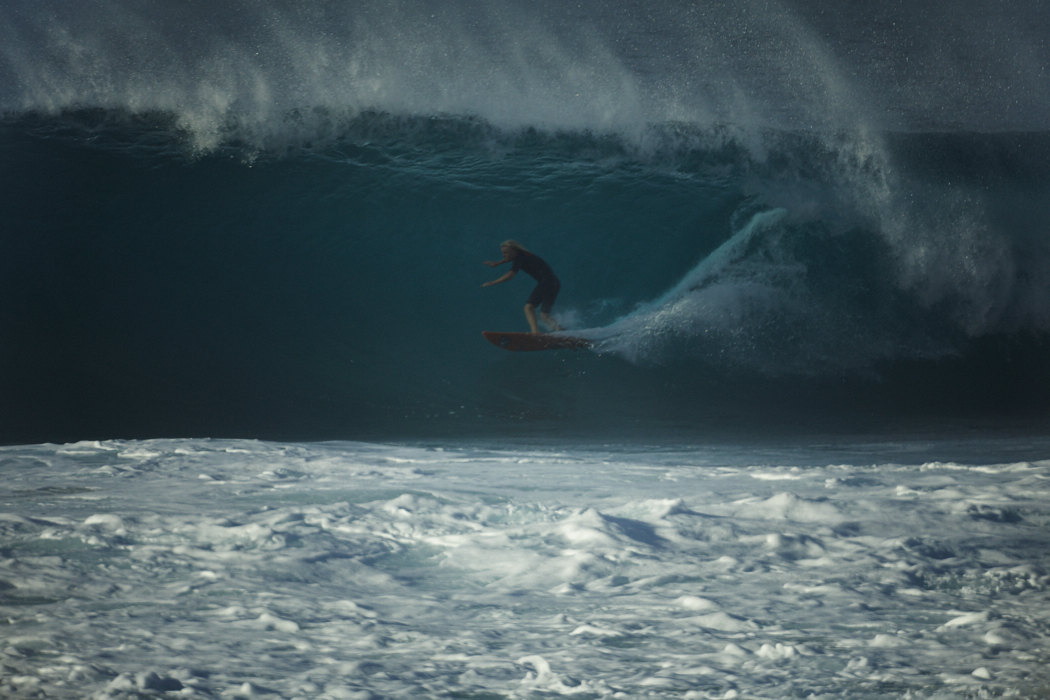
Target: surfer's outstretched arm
column 504, row 278
column 497, row 263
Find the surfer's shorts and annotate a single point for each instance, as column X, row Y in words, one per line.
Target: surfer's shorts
column 544, row 295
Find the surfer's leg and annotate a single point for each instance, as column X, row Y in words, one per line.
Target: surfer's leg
column 546, row 318
column 550, row 293
column 530, row 314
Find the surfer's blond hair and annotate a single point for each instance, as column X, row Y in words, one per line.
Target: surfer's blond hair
column 511, row 243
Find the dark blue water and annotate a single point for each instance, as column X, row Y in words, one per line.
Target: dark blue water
column 276, row 229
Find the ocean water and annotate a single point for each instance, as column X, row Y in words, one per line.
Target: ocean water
column 256, row 445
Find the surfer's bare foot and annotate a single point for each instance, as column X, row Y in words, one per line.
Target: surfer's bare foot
column 551, row 323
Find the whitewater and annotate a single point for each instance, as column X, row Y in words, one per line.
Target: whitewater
column 246, row 569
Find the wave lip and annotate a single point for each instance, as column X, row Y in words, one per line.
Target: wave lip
column 492, row 61
column 605, row 68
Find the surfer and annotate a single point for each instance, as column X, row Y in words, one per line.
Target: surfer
column 546, row 290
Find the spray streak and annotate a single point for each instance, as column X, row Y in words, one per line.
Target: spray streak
column 238, row 72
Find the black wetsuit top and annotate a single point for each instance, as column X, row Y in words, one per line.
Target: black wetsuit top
column 548, row 286
column 534, row 265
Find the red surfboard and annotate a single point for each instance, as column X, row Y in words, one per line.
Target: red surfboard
column 518, row 342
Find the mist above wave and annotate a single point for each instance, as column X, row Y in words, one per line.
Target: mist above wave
column 251, row 71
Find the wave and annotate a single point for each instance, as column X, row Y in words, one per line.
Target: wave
column 158, row 288
column 859, row 255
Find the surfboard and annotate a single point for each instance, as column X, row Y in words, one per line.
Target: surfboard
column 518, row 342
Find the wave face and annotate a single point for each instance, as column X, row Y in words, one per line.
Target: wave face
column 269, row 222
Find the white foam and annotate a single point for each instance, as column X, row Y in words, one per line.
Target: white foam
column 347, row 570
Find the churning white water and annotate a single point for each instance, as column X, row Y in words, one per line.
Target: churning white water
column 244, row 569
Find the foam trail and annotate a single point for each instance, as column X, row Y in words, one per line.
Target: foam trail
column 716, row 293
